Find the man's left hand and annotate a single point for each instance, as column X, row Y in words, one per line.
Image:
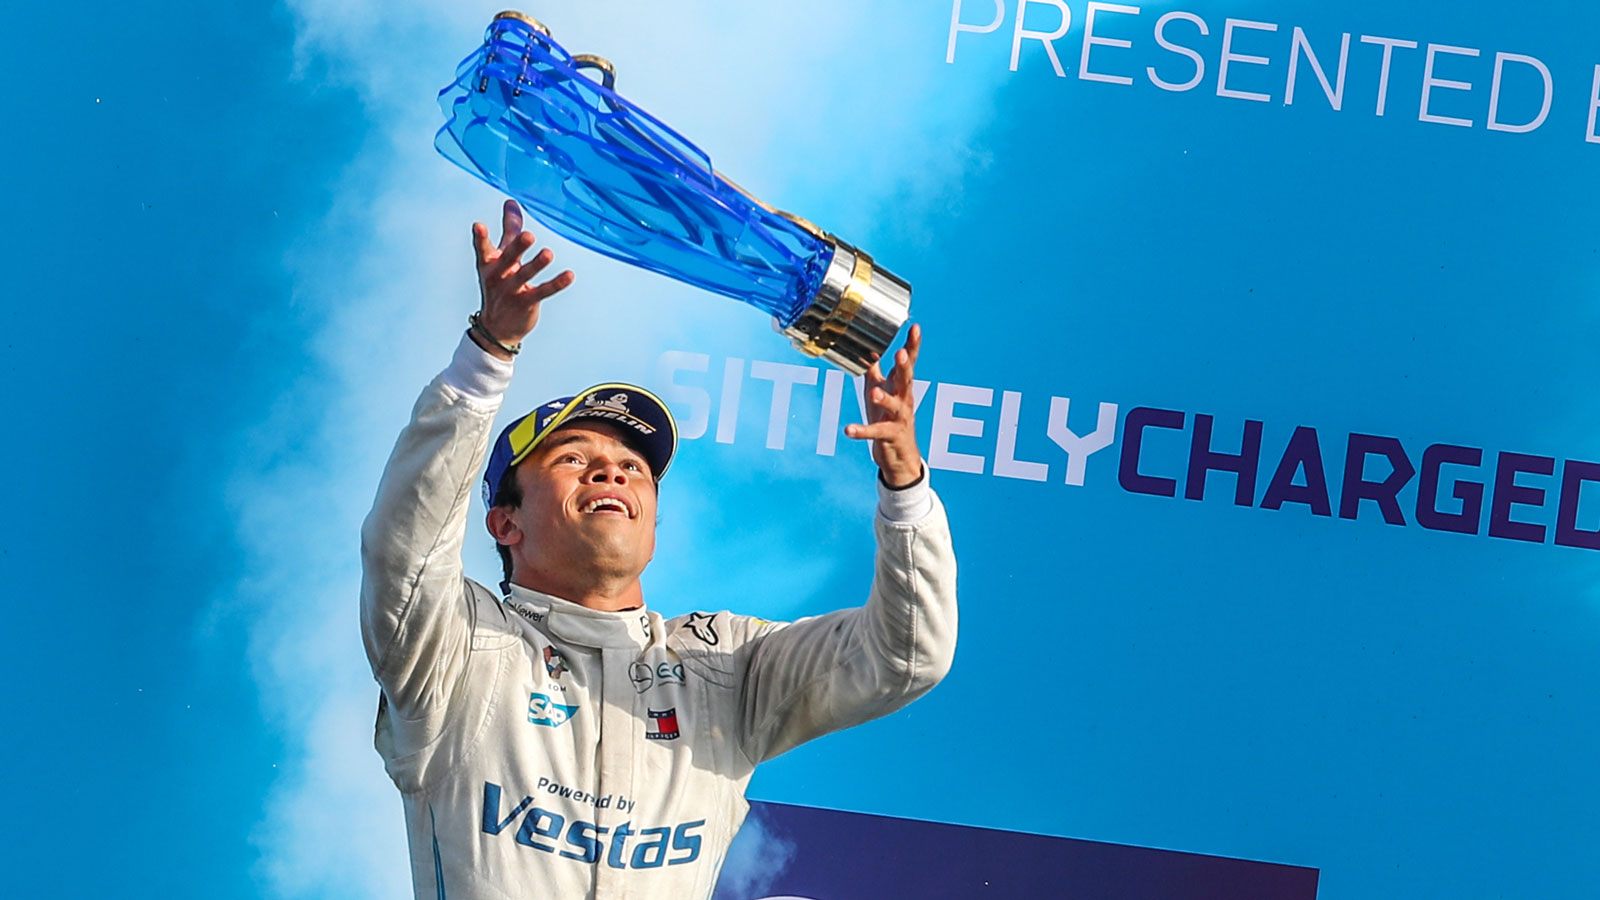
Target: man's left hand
column 892, row 416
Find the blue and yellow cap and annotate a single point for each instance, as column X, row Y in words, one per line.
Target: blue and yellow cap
column 642, row 414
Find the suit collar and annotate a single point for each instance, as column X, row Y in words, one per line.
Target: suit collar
column 572, row 623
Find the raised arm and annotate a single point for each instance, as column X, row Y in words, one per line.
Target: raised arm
column 830, row 672
column 415, row 615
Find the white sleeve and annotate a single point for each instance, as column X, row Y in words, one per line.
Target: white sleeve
column 478, row 376
column 416, row 616
column 908, row 505
column 833, row 671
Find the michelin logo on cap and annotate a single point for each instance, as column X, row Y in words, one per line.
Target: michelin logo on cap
column 614, row 407
column 617, row 401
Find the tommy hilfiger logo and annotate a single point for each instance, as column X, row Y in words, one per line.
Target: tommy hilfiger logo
column 663, row 725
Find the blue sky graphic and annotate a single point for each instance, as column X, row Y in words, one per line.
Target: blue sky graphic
column 234, row 258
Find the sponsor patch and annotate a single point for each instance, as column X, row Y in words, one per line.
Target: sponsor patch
column 644, row 676
column 586, row 843
column 544, row 711
column 553, row 663
column 704, row 627
column 614, row 416
column 663, row 725
column 669, row 673
column 639, row 673
column 617, row 401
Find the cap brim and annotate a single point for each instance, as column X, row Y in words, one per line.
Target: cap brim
column 645, row 418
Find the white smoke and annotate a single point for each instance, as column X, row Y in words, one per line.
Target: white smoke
column 756, row 859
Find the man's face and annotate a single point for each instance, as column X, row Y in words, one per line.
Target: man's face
column 588, row 506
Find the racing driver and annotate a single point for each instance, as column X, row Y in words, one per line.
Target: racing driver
column 564, row 740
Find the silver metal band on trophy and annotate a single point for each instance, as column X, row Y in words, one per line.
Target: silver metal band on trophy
column 856, row 313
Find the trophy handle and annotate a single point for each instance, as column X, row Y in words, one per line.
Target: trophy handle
column 608, row 72
column 523, row 17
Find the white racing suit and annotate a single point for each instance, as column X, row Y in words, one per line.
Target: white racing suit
column 546, row 750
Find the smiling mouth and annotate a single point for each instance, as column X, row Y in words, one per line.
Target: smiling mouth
column 607, row 505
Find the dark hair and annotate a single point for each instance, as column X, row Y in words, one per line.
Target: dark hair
column 509, row 493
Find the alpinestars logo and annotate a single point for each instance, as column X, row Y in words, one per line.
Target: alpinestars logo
column 544, row 711
column 663, row 725
column 704, row 627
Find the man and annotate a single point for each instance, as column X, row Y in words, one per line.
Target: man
column 564, row 741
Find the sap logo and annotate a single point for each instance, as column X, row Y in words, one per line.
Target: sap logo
column 585, row 841
column 544, row 711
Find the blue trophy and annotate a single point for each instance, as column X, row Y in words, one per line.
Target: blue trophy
column 549, row 129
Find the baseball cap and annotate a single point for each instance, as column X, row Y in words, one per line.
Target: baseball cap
column 643, row 416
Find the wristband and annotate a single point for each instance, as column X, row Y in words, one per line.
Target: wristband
column 475, row 324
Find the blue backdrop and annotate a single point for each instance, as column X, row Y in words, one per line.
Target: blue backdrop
column 234, row 258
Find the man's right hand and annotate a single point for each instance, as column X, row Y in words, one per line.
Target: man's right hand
column 510, row 302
